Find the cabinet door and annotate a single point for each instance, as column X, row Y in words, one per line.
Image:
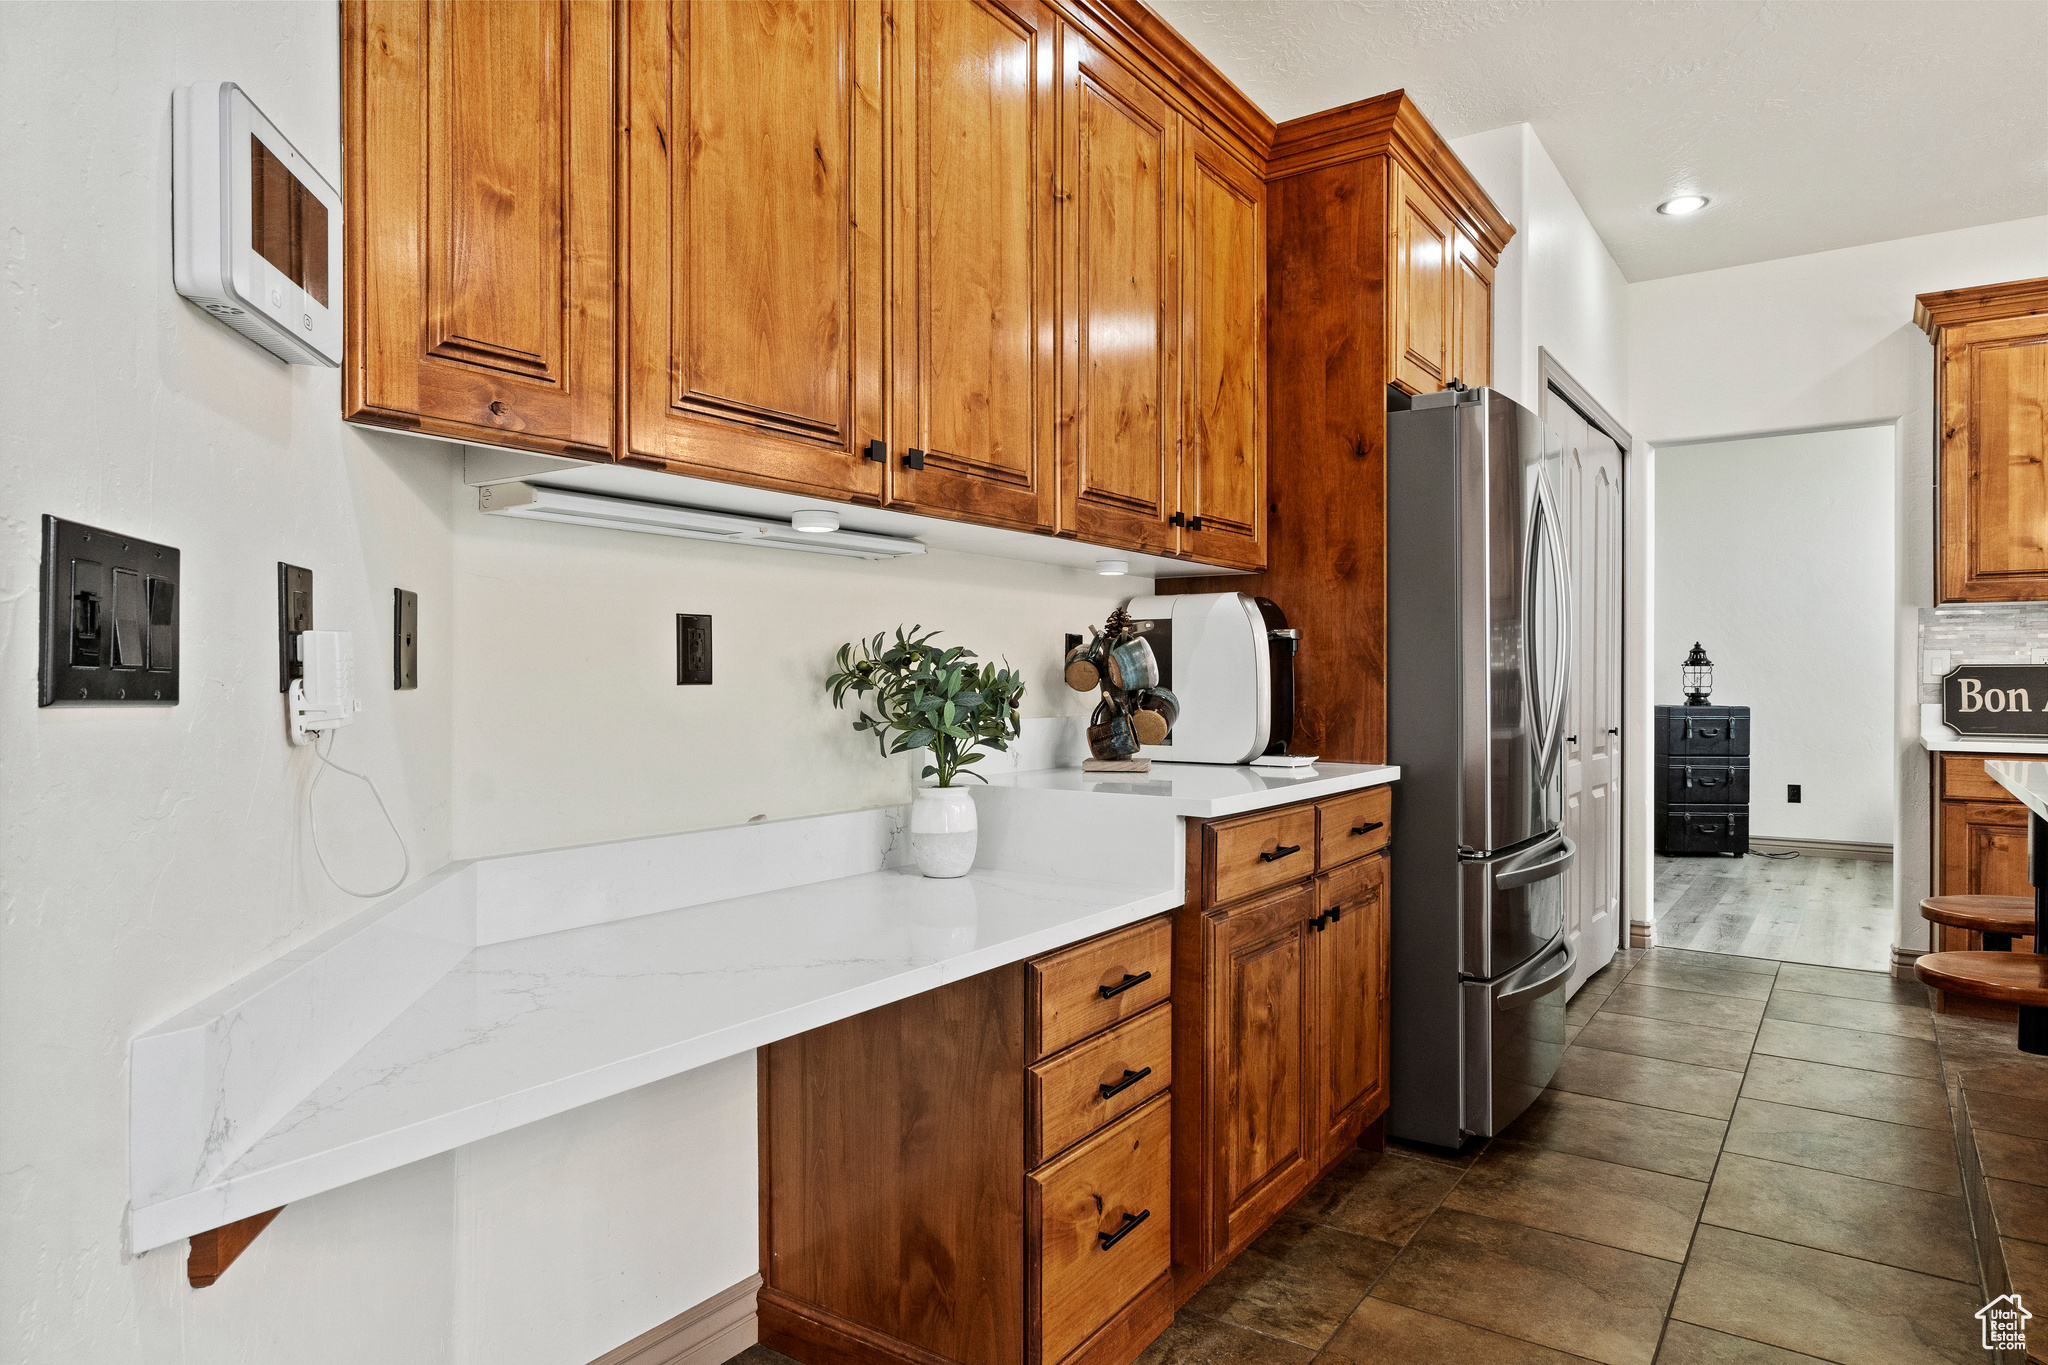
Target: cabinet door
column 1120, row 453
column 1472, row 309
column 972, row 115
column 1994, row 461
column 1222, row 352
column 1266, row 1123
column 477, row 150
column 1420, row 247
column 1350, row 1004
column 1984, row 849
column 754, row 293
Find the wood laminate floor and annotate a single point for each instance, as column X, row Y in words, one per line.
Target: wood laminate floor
column 1740, row 1162
column 1828, row 912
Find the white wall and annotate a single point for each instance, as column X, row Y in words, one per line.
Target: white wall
column 1776, row 553
column 149, row 857
column 1819, row 341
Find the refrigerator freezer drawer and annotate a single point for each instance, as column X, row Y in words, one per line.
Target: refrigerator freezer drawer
column 1514, row 1038
column 1512, row 906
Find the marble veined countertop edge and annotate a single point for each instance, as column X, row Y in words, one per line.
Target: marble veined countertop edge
column 2027, row 781
column 328, row 1142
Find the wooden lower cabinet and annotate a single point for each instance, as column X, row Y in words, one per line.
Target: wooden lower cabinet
column 1980, row 841
column 1280, row 1025
column 980, row 1174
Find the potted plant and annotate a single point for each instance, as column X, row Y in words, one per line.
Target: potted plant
column 941, row 700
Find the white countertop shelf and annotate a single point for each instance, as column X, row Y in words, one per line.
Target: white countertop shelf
column 1936, row 737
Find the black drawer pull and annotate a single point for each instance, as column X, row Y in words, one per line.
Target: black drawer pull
column 1369, row 826
column 1111, row 992
column 1318, row 922
column 1281, row 852
column 1131, row 1220
column 1130, row 1079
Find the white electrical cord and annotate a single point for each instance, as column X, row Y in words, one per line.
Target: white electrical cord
column 313, row 820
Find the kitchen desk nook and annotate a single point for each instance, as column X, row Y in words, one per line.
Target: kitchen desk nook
column 1020, row 1090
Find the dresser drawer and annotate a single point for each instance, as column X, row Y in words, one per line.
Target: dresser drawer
column 1086, row 988
column 1115, row 1187
column 1703, row 731
column 1703, row 782
column 1245, row 856
column 1097, row 1081
column 1353, row 825
column 1704, row 831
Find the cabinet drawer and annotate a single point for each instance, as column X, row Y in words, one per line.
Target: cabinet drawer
column 1117, row 1185
column 1704, row 731
column 1964, row 778
column 1131, row 1062
column 1244, row 857
column 1353, row 825
column 1703, row 782
column 1704, row 831
column 1350, row 887
column 1086, row 988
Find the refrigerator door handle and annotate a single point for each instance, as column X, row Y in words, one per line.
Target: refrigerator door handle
column 1549, row 867
column 1536, row 978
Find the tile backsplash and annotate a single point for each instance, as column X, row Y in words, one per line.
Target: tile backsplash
column 1981, row 633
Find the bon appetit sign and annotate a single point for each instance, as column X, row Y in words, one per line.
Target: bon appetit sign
column 2006, row 701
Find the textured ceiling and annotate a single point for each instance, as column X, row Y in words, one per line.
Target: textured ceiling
column 1813, row 124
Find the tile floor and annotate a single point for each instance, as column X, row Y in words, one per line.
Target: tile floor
column 1829, row 912
column 1741, row 1162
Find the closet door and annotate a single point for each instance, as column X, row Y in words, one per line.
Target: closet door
column 972, row 118
column 1119, row 174
column 1592, row 507
column 753, row 217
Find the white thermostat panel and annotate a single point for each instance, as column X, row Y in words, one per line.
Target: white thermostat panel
column 255, row 230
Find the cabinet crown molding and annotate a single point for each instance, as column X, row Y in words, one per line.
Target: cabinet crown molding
column 1391, row 123
column 1182, row 66
column 1984, row 303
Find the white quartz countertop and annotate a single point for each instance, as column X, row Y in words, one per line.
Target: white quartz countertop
column 1936, row 737
column 1204, row 791
column 504, row 1033
column 2027, row 781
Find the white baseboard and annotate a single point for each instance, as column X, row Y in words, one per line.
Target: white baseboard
column 712, row 1333
column 1639, row 933
column 1903, row 960
column 1822, row 848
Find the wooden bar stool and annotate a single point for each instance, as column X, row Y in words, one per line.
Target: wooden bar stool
column 2011, row 978
column 2000, row 919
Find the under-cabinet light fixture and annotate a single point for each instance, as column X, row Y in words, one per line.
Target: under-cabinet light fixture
column 536, row 503
column 1683, row 204
column 815, row 523
column 1112, row 568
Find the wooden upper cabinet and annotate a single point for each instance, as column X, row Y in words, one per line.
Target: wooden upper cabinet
column 478, row 155
column 1471, row 314
column 971, row 118
column 1222, row 351
column 753, row 323
column 1119, row 167
column 1991, row 357
column 1421, row 253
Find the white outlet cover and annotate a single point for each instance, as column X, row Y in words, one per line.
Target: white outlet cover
column 2038, row 656
column 1937, row 663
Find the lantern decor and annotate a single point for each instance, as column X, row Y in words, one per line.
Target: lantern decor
column 1698, row 675
column 1134, row 709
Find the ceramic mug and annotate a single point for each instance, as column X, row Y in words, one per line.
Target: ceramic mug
column 1113, row 737
column 1164, row 702
column 1133, row 665
column 1084, row 666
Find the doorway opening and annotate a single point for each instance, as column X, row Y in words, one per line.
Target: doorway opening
column 1776, row 556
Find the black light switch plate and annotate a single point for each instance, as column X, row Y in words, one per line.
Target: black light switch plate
column 109, row 632
column 1792, row 793
column 294, row 614
column 693, row 650
column 405, row 637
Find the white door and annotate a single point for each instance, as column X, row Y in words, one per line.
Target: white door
column 1592, row 497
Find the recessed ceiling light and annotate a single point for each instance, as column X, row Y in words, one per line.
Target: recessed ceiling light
column 816, row 522
column 1112, row 568
column 1683, row 204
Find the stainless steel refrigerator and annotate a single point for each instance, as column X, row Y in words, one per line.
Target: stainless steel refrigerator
column 1478, row 668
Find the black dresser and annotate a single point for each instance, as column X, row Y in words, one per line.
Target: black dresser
column 1703, row 779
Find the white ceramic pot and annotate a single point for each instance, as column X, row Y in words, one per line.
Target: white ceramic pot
column 943, row 831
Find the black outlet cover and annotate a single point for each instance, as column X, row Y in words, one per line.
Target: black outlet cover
column 1792, row 793
column 109, row 619
column 294, row 614
column 405, row 640
column 693, row 650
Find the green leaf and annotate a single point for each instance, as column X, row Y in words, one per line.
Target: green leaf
column 918, row 738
